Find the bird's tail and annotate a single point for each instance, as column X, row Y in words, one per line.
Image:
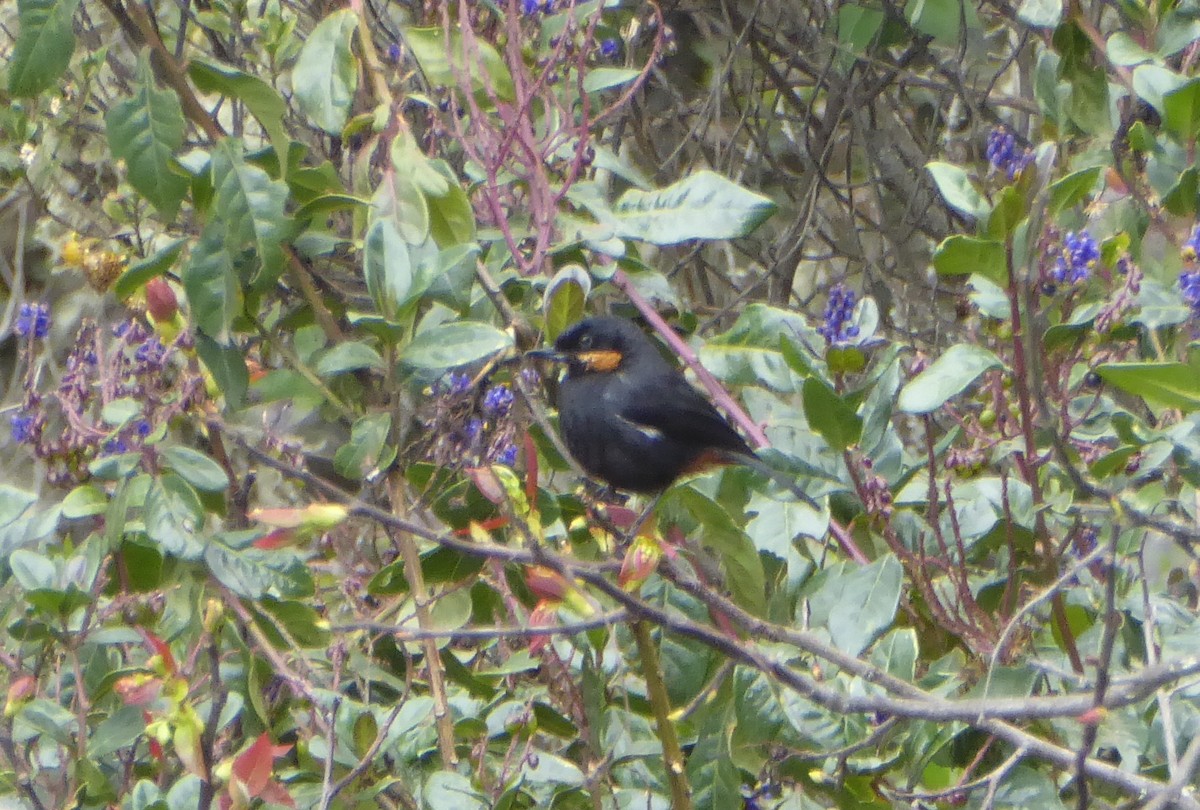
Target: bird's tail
column 781, row 477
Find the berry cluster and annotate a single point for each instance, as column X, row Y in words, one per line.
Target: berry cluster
column 837, row 325
column 531, row 8
column 1003, row 154
column 468, row 429
column 1075, row 260
column 69, row 426
column 1189, row 285
column 33, row 321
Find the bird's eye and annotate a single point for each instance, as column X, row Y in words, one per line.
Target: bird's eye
column 585, row 342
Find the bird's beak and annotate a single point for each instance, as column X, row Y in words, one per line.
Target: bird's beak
column 548, row 354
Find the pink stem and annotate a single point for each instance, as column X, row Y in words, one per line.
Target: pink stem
column 717, row 391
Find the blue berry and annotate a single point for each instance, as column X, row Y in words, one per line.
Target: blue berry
column 33, row 320
column 1002, row 152
column 22, row 427
column 474, row 429
column 1189, row 285
column 836, row 326
column 498, row 400
column 151, row 352
column 609, row 48
column 1078, row 256
column 455, row 385
column 507, row 456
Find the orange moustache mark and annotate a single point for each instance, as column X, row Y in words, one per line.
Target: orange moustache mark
column 601, row 359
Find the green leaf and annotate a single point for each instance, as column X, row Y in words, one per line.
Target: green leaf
column 1175, row 32
column 328, row 204
column 211, row 283
column 1180, row 200
column 958, row 190
column 260, row 98
column 115, row 517
column 1181, row 111
column 762, row 714
column 114, row 467
column 349, row 356
column 174, row 517
column 325, row 77
column 1171, row 385
column 146, row 131
column 1072, row 190
column 49, row 718
column 400, row 216
column 118, row 412
column 13, row 503
column 453, row 274
column 1153, row 82
column 141, row 271
column 565, row 298
column 775, row 524
column 856, row 603
column 711, row 773
column 752, row 352
column 196, row 468
column 959, row 255
column 399, row 201
column 702, row 517
column 447, row 790
column 897, row 653
column 450, row 345
column 857, row 27
column 303, row 624
column 119, row 730
column 1124, row 50
column 1028, row 787
column 451, row 217
column 227, row 364
column 388, row 269
column 942, row 19
column 254, row 573
column 360, row 456
column 1041, row 13
column 45, row 43
column 706, row 205
column 948, row 376
column 412, row 179
column 33, row 571
column 83, row 501
column 605, row 78
column 253, row 207
column 428, row 45
column 830, row 415
column 1006, row 214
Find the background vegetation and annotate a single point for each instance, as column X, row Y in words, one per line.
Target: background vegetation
column 283, row 522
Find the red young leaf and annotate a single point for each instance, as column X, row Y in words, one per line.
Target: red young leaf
column 161, row 648
column 253, row 766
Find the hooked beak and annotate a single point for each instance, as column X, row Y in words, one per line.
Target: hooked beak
column 548, row 354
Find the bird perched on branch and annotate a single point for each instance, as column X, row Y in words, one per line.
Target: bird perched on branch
column 631, row 419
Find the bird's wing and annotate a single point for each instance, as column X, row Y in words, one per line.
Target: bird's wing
column 681, row 412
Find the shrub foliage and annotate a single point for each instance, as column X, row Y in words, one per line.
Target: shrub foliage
column 284, row 518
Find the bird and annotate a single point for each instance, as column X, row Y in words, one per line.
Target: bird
column 630, row 418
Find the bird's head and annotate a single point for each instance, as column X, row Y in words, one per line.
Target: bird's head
column 598, row 346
